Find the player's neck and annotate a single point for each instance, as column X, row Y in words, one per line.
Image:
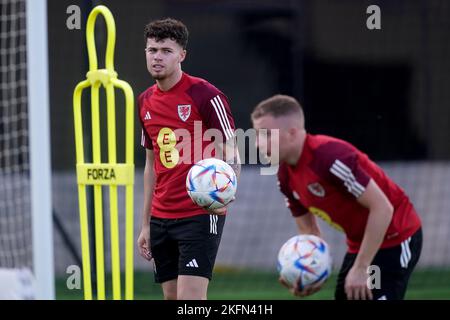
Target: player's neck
column 167, row 83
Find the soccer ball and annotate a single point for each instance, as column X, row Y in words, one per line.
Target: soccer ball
column 304, row 260
column 211, row 183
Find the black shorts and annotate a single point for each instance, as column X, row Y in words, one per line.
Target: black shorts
column 395, row 264
column 185, row 246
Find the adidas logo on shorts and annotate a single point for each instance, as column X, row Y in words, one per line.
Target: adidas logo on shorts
column 192, row 263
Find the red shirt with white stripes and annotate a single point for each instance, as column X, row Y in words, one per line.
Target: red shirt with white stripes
column 174, row 124
column 327, row 180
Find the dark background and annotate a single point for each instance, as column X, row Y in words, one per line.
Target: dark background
column 386, row 91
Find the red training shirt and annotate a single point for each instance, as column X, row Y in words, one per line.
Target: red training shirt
column 327, row 180
column 169, row 119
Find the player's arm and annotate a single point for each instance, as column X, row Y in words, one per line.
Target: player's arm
column 215, row 111
column 380, row 216
column 345, row 170
column 307, row 224
column 149, row 187
column 230, row 154
column 305, row 220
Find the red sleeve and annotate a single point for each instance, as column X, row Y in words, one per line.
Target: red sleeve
column 146, row 142
column 339, row 163
column 297, row 209
column 214, row 108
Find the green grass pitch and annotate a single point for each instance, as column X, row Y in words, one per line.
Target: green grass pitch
column 246, row 284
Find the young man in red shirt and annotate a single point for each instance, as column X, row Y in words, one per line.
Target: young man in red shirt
column 180, row 236
column 324, row 176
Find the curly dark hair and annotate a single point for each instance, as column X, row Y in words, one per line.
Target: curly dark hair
column 167, row 28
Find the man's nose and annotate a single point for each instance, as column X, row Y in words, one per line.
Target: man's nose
column 157, row 55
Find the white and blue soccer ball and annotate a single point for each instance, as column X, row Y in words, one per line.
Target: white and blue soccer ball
column 211, row 183
column 304, row 260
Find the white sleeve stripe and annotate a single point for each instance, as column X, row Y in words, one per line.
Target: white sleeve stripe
column 220, row 119
column 216, row 108
column 344, row 167
column 348, row 177
column 349, row 187
column 349, row 181
column 221, row 114
column 341, row 165
column 224, row 113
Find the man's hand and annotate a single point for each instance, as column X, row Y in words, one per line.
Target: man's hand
column 356, row 284
column 220, row 211
column 307, row 290
column 143, row 243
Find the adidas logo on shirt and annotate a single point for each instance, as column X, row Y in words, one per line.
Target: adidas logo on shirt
column 192, row 264
column 147, row 116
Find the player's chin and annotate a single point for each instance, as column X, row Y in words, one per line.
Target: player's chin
column 158, row 75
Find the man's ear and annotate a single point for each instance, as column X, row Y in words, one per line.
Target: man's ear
column 183, row 55
column 293, row 131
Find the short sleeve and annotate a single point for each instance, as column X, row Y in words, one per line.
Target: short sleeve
column 342, row 166
column 297, row 209
column 214, row 109
column 146, row 142
column 217, row 115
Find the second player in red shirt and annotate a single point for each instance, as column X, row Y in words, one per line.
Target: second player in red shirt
column 330, row 178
